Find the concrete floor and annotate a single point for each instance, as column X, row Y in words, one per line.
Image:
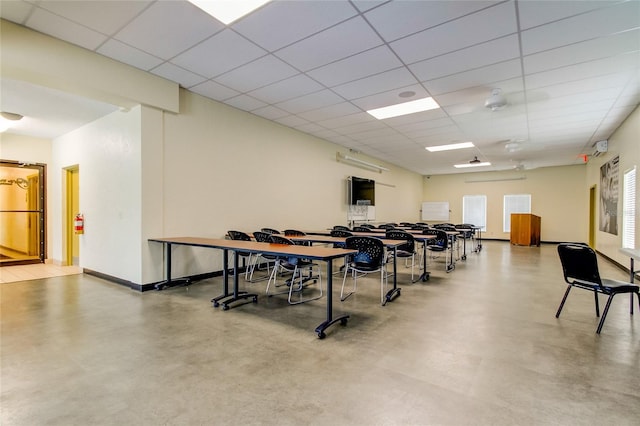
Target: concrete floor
column 478, row 346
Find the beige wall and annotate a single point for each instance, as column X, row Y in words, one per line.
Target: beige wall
column 625, row 143
column 558, row 195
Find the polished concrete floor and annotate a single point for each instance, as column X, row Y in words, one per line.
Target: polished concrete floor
column 477, row 346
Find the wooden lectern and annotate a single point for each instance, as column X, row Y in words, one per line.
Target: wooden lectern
column 525, row 229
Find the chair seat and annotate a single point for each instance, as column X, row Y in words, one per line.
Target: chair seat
column 616, row 286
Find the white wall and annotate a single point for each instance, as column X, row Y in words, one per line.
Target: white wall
column 108, row 153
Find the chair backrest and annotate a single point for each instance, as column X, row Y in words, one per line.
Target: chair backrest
column 370, row 251
column 465, row 234
column 441, row 239
column 361, row 229
column 239, row 235
column 579, row 263
column 397, row 234
column 387, row 226
column 445, row 227
column 279, row 239
column 406, row 224
column 342, row 234
column 262, row 237
column 270, row 230
column 417, row 227
column 367, row 225
column 341, row 228
column 293, row 233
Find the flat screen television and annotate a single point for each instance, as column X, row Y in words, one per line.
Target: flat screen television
column 362, row 192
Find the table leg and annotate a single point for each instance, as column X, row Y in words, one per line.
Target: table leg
column 464, row 247
column 451, row 266
column 425, row 274
column 330, row 320
column 225, row 299
column 170, row 282
column 395, row 290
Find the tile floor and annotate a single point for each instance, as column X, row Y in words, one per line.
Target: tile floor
column 478, row 346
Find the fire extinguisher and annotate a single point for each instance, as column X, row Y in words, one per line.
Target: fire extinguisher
column 78, row 224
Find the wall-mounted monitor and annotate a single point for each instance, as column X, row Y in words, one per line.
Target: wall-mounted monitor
column 361, row 192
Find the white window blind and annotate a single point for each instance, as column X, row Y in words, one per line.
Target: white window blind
column 629, row 209
column 519, row 203
column 474, row 210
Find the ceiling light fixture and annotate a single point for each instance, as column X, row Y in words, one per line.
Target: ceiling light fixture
column 473, row 163
column 411, row 107
column 450, row 146
column 340, row 157
column 8, row 120
column 228, row 11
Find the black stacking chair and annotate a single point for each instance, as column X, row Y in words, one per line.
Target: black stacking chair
column 270, row 230
column 246, row 256
column 269, row 260
column 580, row 269
column 296, row 233
column 369, row 259
column 387, row 226
column 405, row 251
column 341, row 228
column 361, row 229
column 296, row 266
column 342, row 234
column 438, row 245
column 367, row 225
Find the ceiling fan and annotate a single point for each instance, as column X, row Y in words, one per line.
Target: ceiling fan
column 496, row 101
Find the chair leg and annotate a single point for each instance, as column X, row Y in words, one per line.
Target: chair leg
column 595, row 295
column 344, row 279
column 566, row 293
column 604, row 313
column 301, row 285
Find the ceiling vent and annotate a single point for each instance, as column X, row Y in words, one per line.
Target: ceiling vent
column 601, row 146
column 496, row 101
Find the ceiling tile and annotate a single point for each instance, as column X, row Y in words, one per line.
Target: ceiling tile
column 401, row 18
column 337, row 110
column 590, row 50
column 179, row 75
column 309, row 102
column 364, row 64
column 391, row 97
column 456, row 35
column 158, row 32
column 281, row 23
column 256, row 74
column 129, row 55
column 48, row 23
column 393, row 79
column 534, row 13
column 480, row 55
column 291, row 121
column 214, row 90
column 270, row 112
column 104, row 16
column 218, row 54
column 338, row 123
column 335, row 43
column 292, row 87
column 245, row 103
column 484, row 76
column 598, row 23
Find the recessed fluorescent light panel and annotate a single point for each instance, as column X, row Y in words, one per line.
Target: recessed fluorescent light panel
column 228, row 11
column 405, row 108
column 461, row 166
column 450, row 146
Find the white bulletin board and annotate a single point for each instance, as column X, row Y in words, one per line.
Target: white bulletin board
column 435, row 211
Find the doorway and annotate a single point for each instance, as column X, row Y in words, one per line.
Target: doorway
column 72, row 207
column 22, row 215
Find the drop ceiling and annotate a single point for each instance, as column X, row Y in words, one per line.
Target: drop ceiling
column 569, row 70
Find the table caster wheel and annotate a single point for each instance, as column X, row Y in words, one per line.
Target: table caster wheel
column 321, row 335
column 343, row 321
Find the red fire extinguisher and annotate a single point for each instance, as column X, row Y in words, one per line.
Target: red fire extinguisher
column 78, row 224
